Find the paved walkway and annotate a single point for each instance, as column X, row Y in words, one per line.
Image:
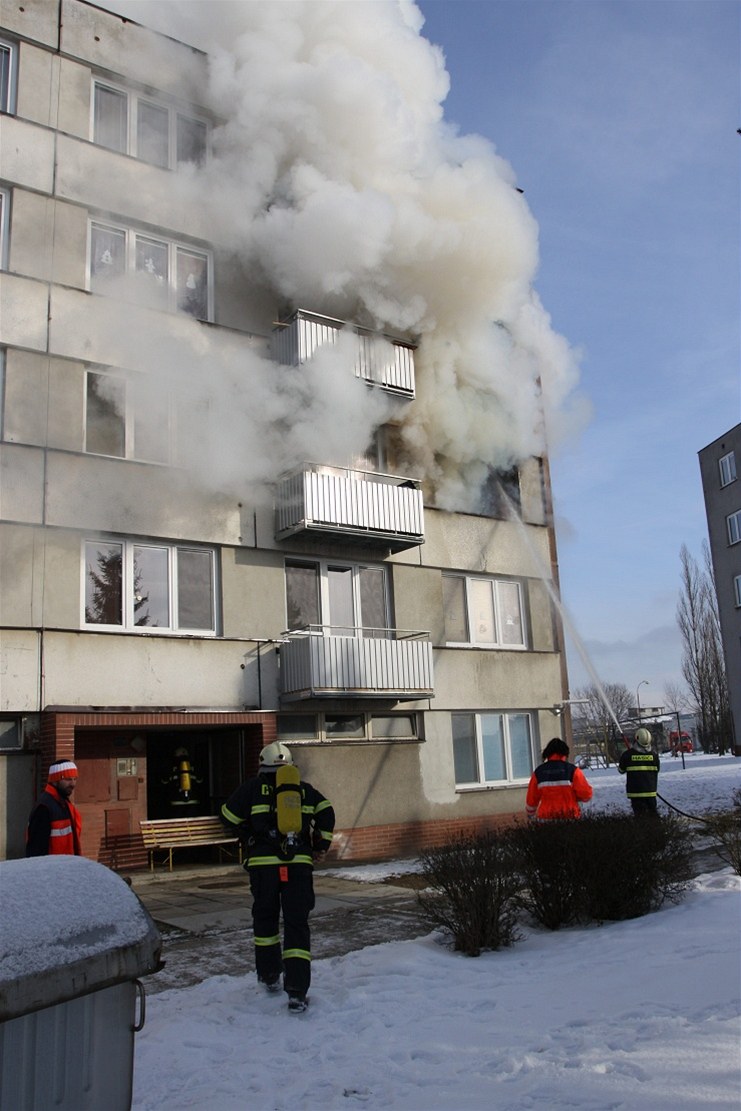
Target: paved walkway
column 204, row 917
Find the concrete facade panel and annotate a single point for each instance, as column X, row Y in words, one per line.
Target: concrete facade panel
column 48, row 240
column 85, row 669
column 133, row 499
column 26, row 154
column 23, row 312
column 482, row 545
column 19, row 671
column 110, row 42
column 34, row 19
column 469, row 678
column 21, row 484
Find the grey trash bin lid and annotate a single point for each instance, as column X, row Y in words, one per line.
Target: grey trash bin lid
column 68, row 926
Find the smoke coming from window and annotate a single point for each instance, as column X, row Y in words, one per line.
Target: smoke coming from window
column 336, row 185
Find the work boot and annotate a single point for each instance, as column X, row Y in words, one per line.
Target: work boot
column 297, row 1003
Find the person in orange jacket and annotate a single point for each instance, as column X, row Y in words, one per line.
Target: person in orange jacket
column 556, row 787
column 55, row 825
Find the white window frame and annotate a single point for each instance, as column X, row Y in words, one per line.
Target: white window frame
column 323, row 568
column 128, row 617
column 727, row 468
column 131, row 143
column 8, row 88
column 129, row 420
column 496, row 584
column 4, row 226
column 737, row 590
column 365, row 735
column 173, row 247
column 506, row 719
column 733, row 525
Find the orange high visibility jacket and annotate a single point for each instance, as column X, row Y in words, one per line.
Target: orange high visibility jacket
column 54, row 826
column 555, row 790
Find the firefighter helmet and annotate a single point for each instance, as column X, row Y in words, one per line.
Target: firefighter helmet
column 643, row 738
column 275, row 755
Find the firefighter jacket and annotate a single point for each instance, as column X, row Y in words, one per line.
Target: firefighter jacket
column 54, row 826
column 555, row 790
column 252, row 810
column 641, row 770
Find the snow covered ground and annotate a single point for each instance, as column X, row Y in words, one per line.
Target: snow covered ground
column 628, row 1016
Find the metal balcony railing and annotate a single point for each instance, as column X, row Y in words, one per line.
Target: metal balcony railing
column 380, row 360
column 321, row 662
column 361, row 505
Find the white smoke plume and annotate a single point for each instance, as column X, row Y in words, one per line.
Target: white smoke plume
column 342, row 190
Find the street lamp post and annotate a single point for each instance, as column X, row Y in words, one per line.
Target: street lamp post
column 643, row 682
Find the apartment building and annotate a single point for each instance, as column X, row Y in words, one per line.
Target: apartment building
column 722, row 493
column 153, row 626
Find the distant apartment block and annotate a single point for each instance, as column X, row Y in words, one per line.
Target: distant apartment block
column 719, row 469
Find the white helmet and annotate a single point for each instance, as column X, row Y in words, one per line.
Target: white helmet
column 274, row 755
column 643, row 738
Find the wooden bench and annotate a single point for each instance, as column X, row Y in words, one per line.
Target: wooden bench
column 166, row 834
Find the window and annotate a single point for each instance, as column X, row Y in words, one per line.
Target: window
column 11, row 733
column 733, row 524
column 492, row 748
column 500, row 494
column 487, row 613
column 170, row 276
column 147, row 129
column 338, row 599
column 148, row 587
column 727, row 468
column 126, row 418
column 293, row 728
column 8, row 66
column 737, row 589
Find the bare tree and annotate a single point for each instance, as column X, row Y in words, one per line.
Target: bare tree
column 595, row 720
column 703, row 665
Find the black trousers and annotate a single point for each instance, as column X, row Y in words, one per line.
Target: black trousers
column 645, row 807
column 288, row 888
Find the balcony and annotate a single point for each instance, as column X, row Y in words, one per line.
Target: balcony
column 363, row 506
column 380, row 360
column 374, row 663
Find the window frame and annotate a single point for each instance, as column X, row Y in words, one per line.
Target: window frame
column 321, row 735
column 9, row 89
column 132, row 237
column 728, row 471
column 131, row 147
column 322, row 568
column 128, row 623
column 506, row 716
column 130, row 417
column 496, row 582
column 733, row 527
column 737, row 590
column 4, row 226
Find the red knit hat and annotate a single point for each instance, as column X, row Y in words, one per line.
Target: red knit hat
column 65, row 769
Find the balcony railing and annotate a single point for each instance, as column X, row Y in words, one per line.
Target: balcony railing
column 380, row 360
column 361, row 505
column 370, row 663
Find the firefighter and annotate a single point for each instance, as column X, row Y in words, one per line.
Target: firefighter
column 641, row 765
column 55, row 825
column 182, row 780
column 281, row 872
column 556, row 787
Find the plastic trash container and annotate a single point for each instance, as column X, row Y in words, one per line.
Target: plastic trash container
column 74, row 938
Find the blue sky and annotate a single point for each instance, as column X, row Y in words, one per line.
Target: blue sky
column 619, row 119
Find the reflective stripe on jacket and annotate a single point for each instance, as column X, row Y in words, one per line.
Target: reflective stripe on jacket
column 642, row 771
column 252, row 810
column 54, row 826
column 555, row 790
